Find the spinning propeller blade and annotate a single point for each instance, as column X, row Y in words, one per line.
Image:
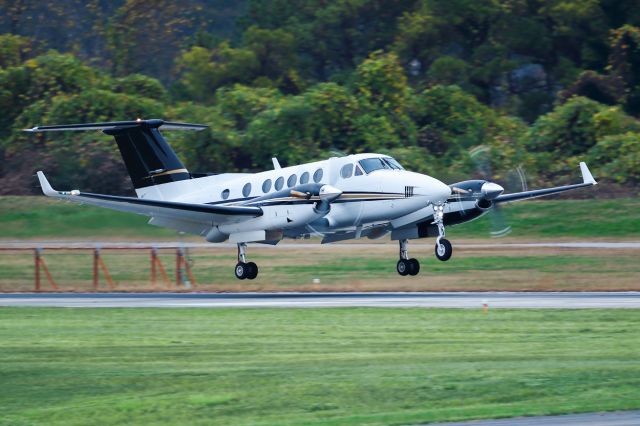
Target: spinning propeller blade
column 480, row 155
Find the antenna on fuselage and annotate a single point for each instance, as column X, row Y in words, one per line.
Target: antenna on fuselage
column 276, row 163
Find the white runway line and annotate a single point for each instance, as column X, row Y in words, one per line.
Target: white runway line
column 468, row 300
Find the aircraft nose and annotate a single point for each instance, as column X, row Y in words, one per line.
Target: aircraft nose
column 441, row 191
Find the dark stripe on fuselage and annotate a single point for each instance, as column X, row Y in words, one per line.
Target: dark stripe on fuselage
column 346, row 197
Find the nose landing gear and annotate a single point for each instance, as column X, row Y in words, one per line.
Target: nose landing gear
column 444, row 249
column 405, row 265
column 243, row 269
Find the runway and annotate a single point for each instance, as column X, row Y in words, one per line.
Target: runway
column 471, row 300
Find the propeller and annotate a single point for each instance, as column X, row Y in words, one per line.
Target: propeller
column 489, row 190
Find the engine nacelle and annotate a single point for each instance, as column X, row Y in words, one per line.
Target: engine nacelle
column 484, row 204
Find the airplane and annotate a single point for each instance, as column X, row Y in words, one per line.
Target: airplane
column 338, row 199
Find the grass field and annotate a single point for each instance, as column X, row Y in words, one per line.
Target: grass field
column 39, row 218
column 344, row 267
column 312, row 366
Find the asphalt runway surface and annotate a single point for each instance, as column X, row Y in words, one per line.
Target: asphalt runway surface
column 470, row 300
column 620, row 418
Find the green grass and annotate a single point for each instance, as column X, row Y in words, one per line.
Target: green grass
column 39, row 217
column 312, row 366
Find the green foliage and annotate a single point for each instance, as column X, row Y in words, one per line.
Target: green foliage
column 381, row 82
column 576, row 126
column 448, row 70
column 215, row 149
column 618, row 157
column 624, row 63
column 582, row 128
column 13, row 50
column 274, row 51
column 429, row 81
column 140, row 85
column 205, row 70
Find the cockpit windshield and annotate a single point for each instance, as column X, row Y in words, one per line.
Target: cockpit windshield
column 371, row 164
column 393, row 163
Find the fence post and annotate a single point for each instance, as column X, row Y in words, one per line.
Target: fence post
column 178, row 267
column 36, row 257
column 96, row 278
column 154, row 261
column 40, row 263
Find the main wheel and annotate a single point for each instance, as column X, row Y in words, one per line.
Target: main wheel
column 444, row 250
column 252, row 270
column 403, row 267
column 414, row 266
column 241, row 271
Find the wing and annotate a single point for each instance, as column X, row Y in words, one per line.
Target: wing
column 205, row 214
column 587, row 180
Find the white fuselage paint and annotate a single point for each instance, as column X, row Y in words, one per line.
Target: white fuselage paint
column 380, row 196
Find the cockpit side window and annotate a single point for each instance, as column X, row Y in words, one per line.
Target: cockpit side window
column 371, row 164
column 346, row 171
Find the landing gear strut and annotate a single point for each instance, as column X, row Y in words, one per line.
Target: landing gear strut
column 245, row 270
column 444, row 250
column 405, row 265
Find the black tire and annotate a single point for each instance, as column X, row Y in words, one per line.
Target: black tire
column 241, row 270
column 403, row 267
column 252, row 272
column 414, row 267
column 446, row 250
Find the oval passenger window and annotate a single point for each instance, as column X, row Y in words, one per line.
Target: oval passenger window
column 246, row 190
column 266, row 186
column 225, row 194
column 279, row 183
column 317, row 176
column 292, row 180
column 304, row 178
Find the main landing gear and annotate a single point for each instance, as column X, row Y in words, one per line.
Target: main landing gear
column 405, row 265
column 444, row 250
column 245, row 270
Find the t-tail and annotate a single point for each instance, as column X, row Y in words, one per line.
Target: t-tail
column 149, row 159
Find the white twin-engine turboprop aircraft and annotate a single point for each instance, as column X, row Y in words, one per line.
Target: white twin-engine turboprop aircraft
column 363, row 195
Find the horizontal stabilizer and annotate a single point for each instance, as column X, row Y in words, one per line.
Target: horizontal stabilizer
column 147, row 155
column 154, row 124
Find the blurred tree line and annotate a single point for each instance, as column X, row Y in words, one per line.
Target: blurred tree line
column 540, row 84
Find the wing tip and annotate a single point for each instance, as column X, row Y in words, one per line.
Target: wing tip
column 46, row 186
column 587, row 177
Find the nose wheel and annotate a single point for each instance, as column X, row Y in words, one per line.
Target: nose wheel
column 406, row 266
column 243, row 269
column 444, row 250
